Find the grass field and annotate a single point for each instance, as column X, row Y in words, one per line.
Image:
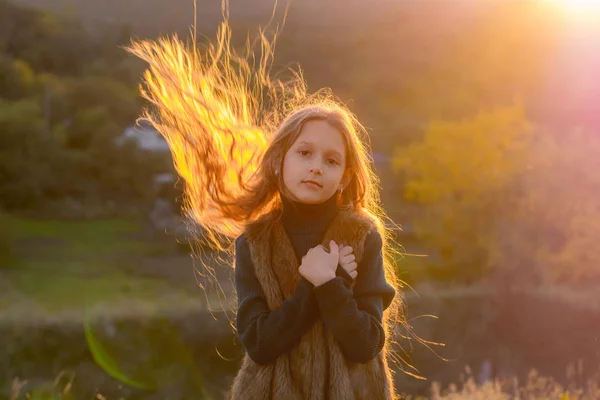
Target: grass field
column 536, row 387
column 59, row 268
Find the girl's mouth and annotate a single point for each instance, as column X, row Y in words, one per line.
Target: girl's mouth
column 312, row 184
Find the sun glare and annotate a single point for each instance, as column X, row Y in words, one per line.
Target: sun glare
column 584, row 10
column 581, row 5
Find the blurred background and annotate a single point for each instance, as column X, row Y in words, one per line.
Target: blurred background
column 484, row 119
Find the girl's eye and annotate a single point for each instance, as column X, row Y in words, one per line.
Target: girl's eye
column 304, row 152
column 332, row 161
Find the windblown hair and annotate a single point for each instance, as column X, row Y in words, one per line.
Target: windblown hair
column 229, row 122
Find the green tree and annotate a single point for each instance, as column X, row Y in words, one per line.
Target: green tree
column 22, row 171
column 65, row 96
column 121, row 102
column 17, row 79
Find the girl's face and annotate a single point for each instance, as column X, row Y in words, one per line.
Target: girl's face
column 313, row 168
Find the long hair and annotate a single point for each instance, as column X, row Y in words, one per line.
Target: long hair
column 229, row 122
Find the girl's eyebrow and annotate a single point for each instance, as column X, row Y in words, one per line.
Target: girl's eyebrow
column 304, row 142
column 334, row 153
column 330, row 151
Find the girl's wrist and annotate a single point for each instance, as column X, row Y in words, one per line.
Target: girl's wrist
column 325, row 280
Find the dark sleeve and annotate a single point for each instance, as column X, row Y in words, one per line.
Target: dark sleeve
column 348, row 280
column 267, row 334
column 354, row 317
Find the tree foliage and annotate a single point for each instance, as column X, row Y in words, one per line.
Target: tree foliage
column 498, row 196
column 459, row 172
column 65, row 95
column 551, row 232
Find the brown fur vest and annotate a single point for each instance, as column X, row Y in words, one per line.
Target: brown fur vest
column 315, row 368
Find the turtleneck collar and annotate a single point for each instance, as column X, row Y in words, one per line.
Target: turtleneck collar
column 308, row 218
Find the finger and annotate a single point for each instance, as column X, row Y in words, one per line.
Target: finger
column 334, row 250
column 316, row 248
column 353, row 274
column 350, row 257
column 342, row 252
column 346, row 250
column 352, row 266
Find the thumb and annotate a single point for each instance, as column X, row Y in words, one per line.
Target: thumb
column 334, row 250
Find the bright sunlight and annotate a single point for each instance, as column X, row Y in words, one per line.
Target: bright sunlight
column 579, row 10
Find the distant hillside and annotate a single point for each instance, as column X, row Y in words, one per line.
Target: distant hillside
column 390, row 57
column 337, row 42
column 146, row 17
column 149, row 17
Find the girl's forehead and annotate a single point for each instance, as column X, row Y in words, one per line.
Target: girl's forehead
column 322, row 135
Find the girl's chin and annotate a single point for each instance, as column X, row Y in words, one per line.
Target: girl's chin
column 311, row 198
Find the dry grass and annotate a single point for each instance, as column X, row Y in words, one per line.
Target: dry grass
column 536, row 387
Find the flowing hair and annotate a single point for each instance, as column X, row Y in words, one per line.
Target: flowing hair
column 229, row 121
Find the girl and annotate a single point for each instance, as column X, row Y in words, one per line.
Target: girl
column 311, row 317
column 288, row 177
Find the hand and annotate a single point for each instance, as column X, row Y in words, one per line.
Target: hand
column 347, row 262
column 318, row 266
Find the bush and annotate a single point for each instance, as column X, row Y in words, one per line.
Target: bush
column 6, row 241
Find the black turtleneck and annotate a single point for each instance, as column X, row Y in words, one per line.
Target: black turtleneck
column 306, row 224
column 352, row 315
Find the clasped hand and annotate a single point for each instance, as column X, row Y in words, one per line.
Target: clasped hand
column 318, row 266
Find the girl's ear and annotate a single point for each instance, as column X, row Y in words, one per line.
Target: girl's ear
column 276, row 166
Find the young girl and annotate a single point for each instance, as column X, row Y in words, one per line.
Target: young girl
column 309, row 275
column 288, row 177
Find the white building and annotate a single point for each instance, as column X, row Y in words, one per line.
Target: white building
column 145, row 136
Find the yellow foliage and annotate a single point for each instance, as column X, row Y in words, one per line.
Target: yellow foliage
column 466, row 158
column 459, row 171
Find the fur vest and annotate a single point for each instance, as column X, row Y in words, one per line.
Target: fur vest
column 315, row 368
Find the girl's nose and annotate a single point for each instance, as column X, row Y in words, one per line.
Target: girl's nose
column 315, row 169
